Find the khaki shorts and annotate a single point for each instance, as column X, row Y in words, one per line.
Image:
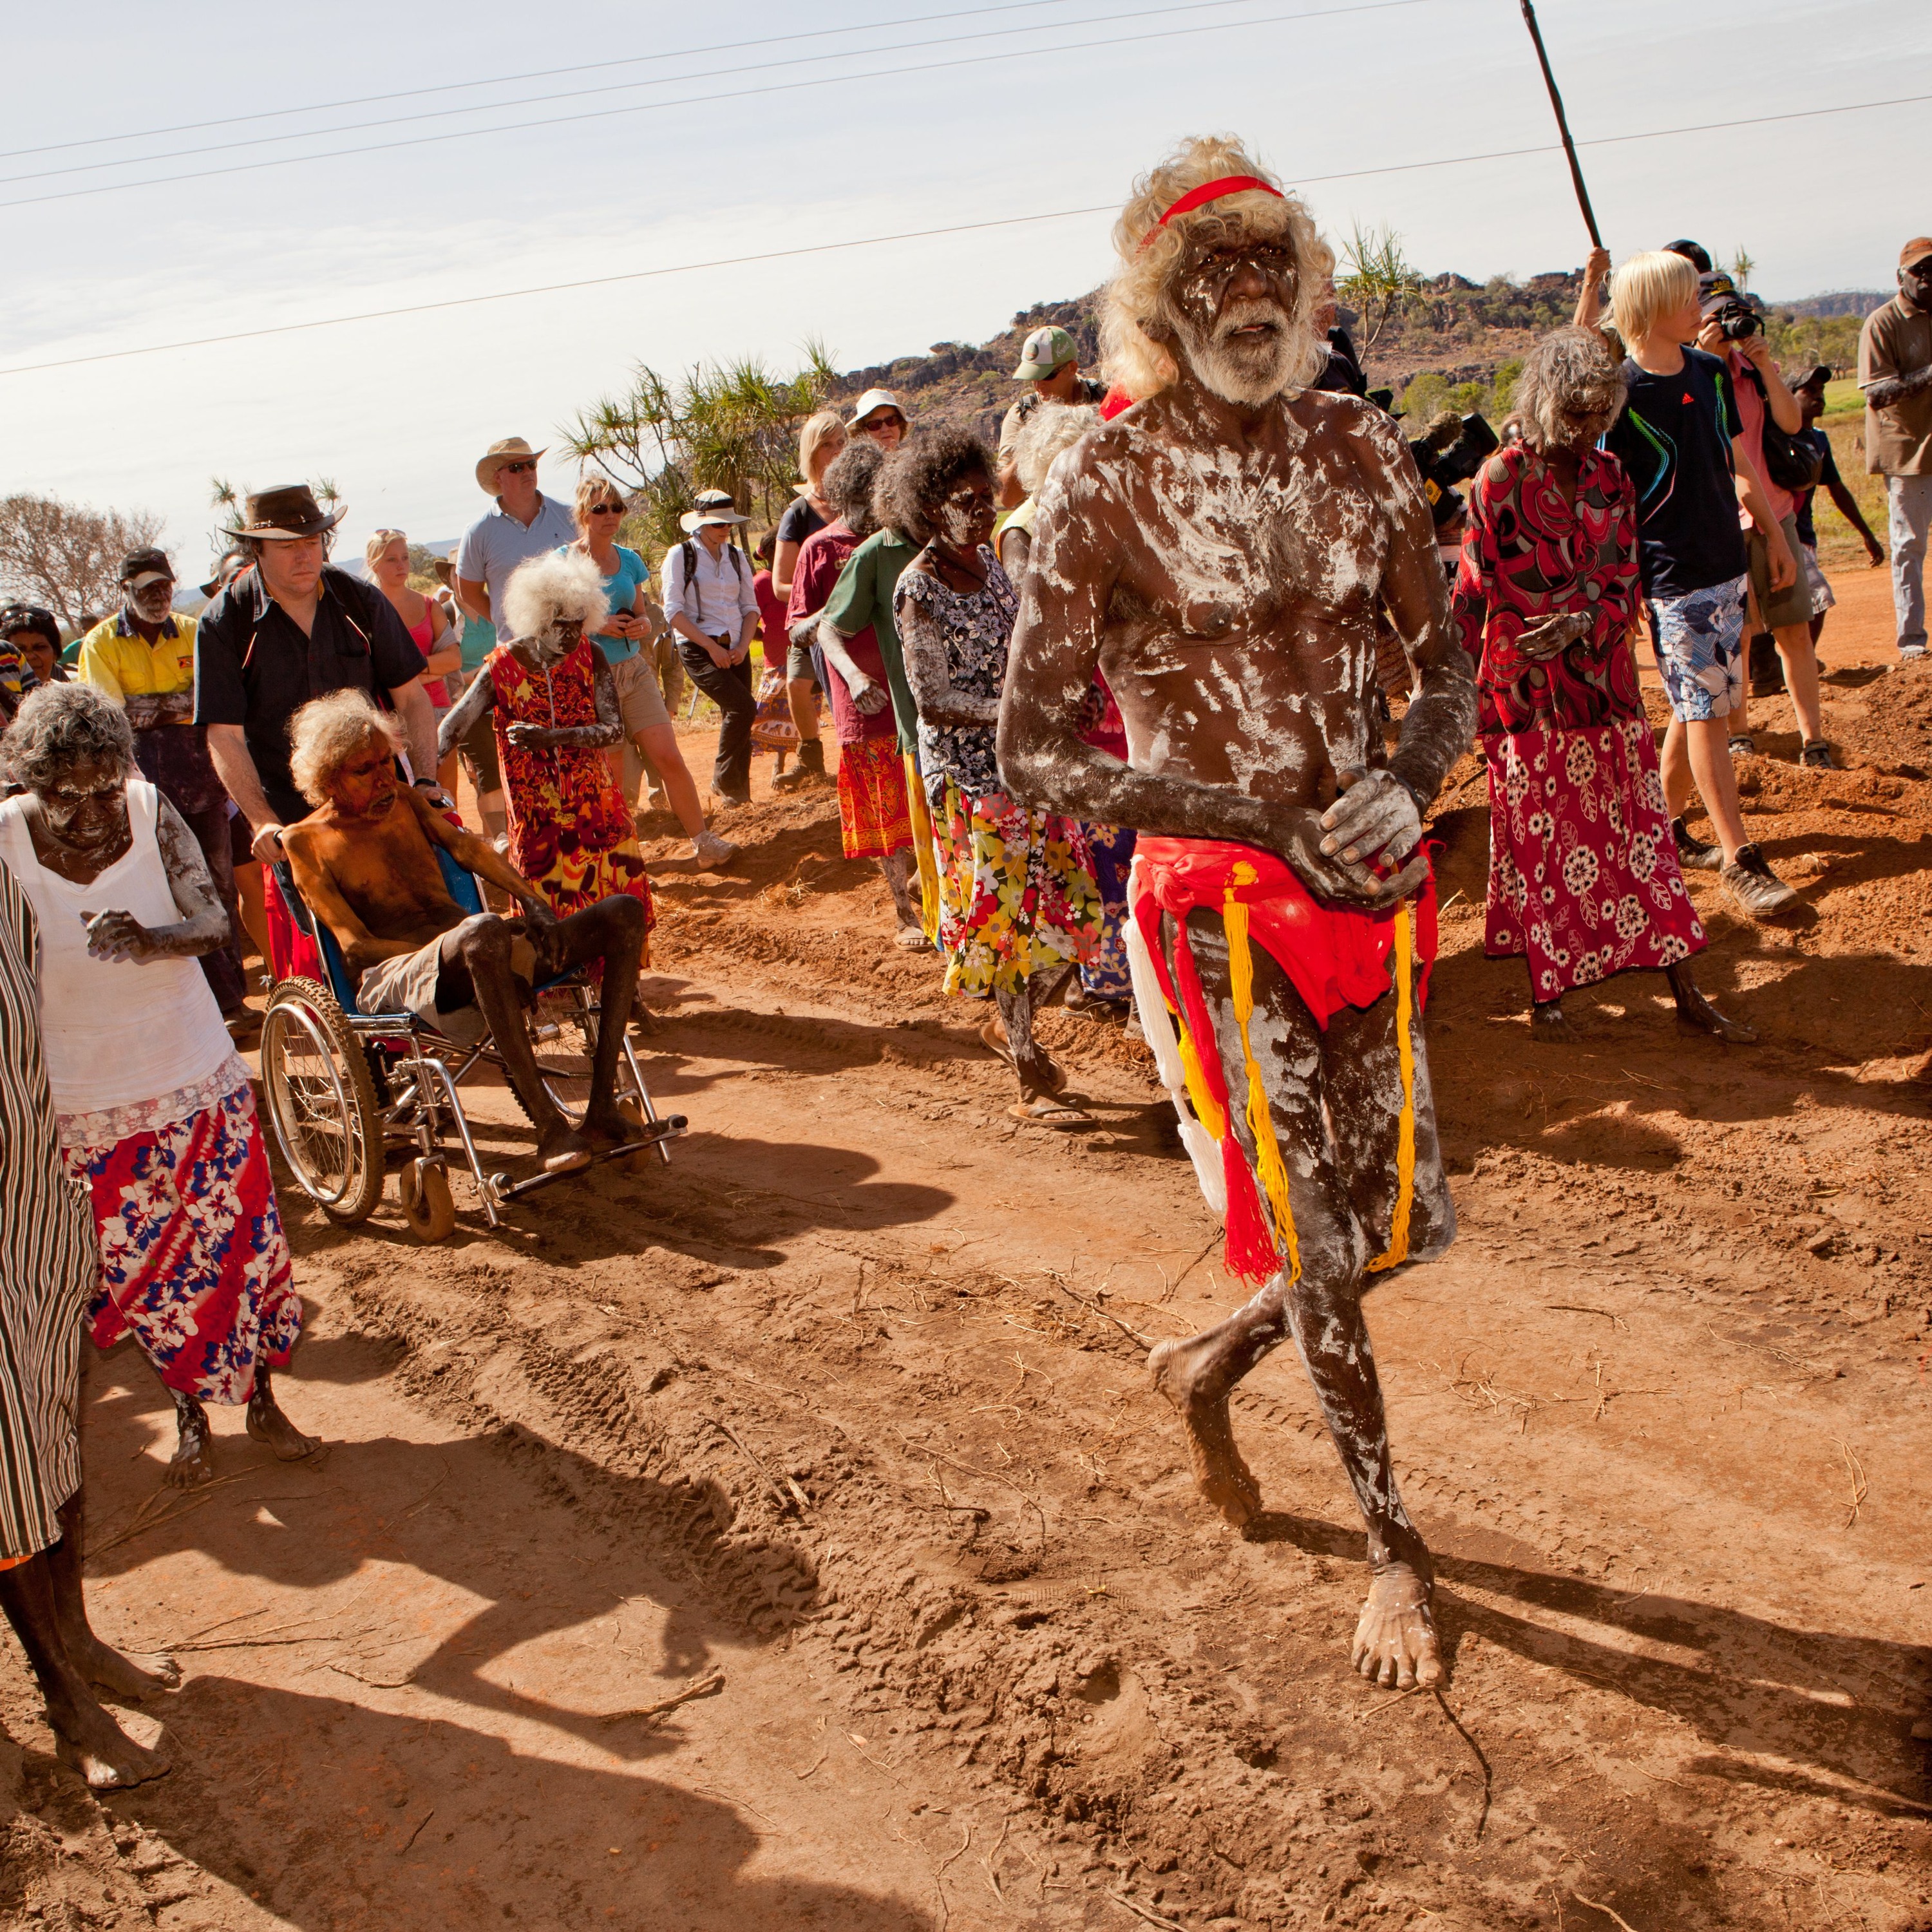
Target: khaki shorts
column 1791, row 605
column 641, row 702
column 407, row 985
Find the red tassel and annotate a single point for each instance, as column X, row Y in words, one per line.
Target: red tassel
column 1251, row 1250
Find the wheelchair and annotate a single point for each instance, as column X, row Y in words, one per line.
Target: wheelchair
column 346, row 1089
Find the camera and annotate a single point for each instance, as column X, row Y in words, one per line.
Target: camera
column 1450, row 452
column 1735, row 319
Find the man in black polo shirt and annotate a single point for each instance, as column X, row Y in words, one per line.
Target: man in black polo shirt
column 289, row 628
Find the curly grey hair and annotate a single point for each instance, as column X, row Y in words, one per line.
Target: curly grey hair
column 1570, row 390
column 58, row 725
column 548, row 591
column 330, row 729
column 1049, row 430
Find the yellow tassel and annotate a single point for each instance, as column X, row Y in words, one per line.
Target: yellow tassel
column 1405, row 1001
column 1206, row 1111
column 1270, row 1169
column 923, row 852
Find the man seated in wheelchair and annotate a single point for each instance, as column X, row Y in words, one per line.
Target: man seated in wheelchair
column 365, row 861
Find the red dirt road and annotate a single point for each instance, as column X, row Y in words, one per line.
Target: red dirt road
column 848, row 1403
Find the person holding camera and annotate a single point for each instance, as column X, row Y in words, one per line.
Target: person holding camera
column 1895, row 373
column 1681, row 442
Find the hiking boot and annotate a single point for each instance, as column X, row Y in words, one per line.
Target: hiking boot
column 1767, row 668
column 1816, row 754
column 708, row 849
column 810, row 766
column 1693, row 854
column 730, row 798
column 1755, row 890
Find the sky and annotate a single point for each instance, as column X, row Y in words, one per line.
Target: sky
column 687, row 136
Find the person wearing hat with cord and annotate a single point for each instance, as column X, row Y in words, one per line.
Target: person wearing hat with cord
column 1895, row 373
column 1050, row 361
column 143, row 657
column 288, row 628
column 524, row 523
column 713, row 607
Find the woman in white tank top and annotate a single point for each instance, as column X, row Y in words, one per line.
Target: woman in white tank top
column 156, row 1114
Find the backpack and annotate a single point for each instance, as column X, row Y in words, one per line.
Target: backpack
column 688, row 550
column 1793, row 463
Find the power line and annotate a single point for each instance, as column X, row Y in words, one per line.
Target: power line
column 738, row 68
column 914, row 235
column 701, row 100
column 532, row 74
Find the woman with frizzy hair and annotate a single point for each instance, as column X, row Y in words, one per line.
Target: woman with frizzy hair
column 1584, row 881
column 1019, row 908
column 554, row 705
column 156, row 1117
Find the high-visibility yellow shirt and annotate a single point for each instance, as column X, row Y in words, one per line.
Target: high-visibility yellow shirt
column 116, row 658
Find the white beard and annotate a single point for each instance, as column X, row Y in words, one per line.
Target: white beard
column 1250, row 370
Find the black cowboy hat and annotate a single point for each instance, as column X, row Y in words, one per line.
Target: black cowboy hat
column 286, row 513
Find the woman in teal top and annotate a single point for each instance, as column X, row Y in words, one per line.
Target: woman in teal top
column 633, row 623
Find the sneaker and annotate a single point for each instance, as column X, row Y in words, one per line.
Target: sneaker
column 1742, row 745
column 1693, row 854
column 708, row 849
column 1911, row 654
column 1816, row 754
column 1756, row 891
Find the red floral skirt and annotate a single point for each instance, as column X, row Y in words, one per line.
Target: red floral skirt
column 875, row 816
column 1583, row 875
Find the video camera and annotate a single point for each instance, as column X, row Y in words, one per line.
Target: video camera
column 1450, row 452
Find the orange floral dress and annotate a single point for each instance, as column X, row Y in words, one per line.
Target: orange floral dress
column 571, row 832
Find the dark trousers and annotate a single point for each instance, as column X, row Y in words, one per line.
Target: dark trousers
column 729, row 687
column 174, row 759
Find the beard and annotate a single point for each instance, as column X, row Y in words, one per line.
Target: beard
column 1250, row 370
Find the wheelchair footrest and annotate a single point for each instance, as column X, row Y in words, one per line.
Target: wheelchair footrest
column 667, row 1129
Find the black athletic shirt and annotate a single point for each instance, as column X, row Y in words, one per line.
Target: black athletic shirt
column 1674, row 442
column 1821, row 442
column 799, row 521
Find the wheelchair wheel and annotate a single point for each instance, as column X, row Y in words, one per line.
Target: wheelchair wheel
column 563, row 1036
column 427, row 1205
column 322, row 1100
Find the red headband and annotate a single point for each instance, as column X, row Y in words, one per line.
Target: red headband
column 1213, row 190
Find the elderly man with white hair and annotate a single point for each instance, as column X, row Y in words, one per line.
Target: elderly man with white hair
column 1225, row 550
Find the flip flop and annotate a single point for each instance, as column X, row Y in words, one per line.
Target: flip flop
column 910, row 939
column 992, row 1034
column 1046, row 1110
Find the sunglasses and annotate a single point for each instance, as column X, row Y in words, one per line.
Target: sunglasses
column 873, row 424
column 528, row 463
column 607, row 509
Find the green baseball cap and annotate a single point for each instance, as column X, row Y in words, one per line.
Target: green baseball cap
column 1046, row 350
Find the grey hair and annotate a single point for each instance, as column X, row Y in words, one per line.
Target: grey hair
column 59, row 724
column 328, row 730
column 547, row 591
column 1046, row 431
column 1569, row 369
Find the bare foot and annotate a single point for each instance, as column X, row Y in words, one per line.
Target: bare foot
column 1696, row 1015
column 1548, row 1025
column 564, row 1149
column 1395, row 1638
column 193, row 1462
column 86, row 1739
column 1223, row 1477
column 267, row 1423
column 611, row 1126
column 121, row 1676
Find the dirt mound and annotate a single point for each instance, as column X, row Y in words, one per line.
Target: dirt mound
column 1887, row 719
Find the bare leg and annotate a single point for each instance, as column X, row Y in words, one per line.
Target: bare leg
column 1329, row 1096
column 898, row 867
column 1700, row 750
column 798, row 696
column 94, row 1660
column 193, row 1462
column 1800, row 657
column 476, row 964
column 254, row 912
column 1043, row 1096
column 267, row 1423
column 660, row 743
column 85, row 1737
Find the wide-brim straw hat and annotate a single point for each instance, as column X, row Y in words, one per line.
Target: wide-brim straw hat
column 511, row 449
column 286, row 513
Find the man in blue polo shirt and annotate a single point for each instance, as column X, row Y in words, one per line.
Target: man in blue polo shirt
column 525, row 523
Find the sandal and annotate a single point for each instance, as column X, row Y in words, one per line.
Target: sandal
column 993, row 1035
column 911, row 939
column 1046, row 1110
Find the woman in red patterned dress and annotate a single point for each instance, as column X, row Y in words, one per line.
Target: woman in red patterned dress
column 1583, row 874
column 554, row 704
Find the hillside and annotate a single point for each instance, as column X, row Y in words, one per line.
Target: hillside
column 1456, row 336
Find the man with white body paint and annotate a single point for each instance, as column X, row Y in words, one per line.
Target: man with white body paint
column 1222, row 551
